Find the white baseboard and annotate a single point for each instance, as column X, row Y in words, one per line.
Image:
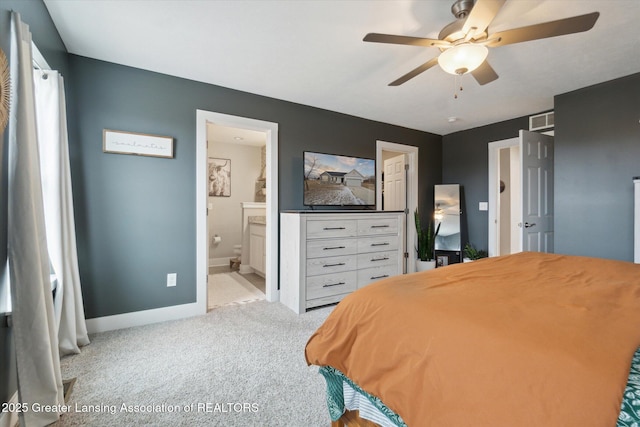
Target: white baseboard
column 245, row 269
column 10, row 419
column 219, row 262
column 274, row 297
column 145, row 317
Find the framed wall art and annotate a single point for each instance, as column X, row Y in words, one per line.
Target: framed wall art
column 140, row 144
column 219, row 177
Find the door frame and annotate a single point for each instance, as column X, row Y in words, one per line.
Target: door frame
column 494, row 200
column 412, row 190
column 202, row 248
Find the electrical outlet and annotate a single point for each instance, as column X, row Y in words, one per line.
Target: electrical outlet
column 172, row 279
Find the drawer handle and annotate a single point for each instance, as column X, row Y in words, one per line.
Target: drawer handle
column 380, row 244
column 334, row 265
column 328, row 285
column 380, row 259
column 334, row 247
column 334, row 228
column 379, row 277
column 380, row 226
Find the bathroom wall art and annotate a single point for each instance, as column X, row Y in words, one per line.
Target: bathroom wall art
column 219, row 177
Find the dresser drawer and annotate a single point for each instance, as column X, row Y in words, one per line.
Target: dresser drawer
column 373, row 274
column 376, row 259
column 332, row 299
column 376, row 226
column 320, row 229
column 333, row 264
column 331, row 284
column 377, row 244
column 322, row 248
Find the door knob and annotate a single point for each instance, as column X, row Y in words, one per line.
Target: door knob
column 527, row 225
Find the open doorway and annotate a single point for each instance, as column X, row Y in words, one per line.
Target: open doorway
column 204, row 122
column 505, row 197
column 403, row 181
column 521, row 194
column 236, row 215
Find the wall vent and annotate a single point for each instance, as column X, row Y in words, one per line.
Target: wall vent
column 541, row 121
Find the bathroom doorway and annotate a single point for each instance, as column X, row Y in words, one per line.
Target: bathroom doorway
column 227, row 183
column 236, row 215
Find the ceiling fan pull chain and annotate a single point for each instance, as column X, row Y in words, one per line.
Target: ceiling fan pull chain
column 455, row 87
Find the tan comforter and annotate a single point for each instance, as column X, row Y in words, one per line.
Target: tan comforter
column 523, row 340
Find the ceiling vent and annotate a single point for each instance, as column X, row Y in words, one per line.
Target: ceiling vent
column 542, row 121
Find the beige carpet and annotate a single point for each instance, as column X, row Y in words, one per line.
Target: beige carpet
column 231, row 289
column 245, row 353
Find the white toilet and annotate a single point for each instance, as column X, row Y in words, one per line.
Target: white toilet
column 234, row 263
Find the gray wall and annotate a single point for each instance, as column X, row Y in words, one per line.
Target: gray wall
column 597, row 153
column 465, row 161
column 136, row 215
column 47, row 39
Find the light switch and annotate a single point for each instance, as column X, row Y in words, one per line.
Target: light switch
column 483, row 206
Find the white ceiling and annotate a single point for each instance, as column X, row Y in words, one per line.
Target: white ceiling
column 311, row 52
column 229, row 135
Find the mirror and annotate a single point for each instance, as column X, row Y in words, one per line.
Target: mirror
column 447, row 213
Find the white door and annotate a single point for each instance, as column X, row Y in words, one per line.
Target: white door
column 411, row 190
column 537, row 191
column 532, row 197
column 394, row 198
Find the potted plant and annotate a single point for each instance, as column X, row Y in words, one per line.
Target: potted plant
column 426, row 242
column 472, row 254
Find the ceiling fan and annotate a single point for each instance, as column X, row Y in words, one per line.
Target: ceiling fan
column 464, row 43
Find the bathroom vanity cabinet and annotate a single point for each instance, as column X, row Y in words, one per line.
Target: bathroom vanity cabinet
column 257, row 245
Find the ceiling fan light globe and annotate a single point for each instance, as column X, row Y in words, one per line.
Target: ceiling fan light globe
column 463, row 58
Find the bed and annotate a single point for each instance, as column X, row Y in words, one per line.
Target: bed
column 529, row 339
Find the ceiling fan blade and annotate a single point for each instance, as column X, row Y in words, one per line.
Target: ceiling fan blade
column 411, row 74
column 481, row 16
column 576, row 24
column 406, row 40
column 484, row 73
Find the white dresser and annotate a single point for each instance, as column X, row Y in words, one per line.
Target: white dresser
column 324, row 256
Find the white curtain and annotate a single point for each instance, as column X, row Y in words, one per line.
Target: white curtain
column 58, row 209
column 34, row 329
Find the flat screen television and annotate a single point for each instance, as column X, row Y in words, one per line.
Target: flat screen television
column 336, row 180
